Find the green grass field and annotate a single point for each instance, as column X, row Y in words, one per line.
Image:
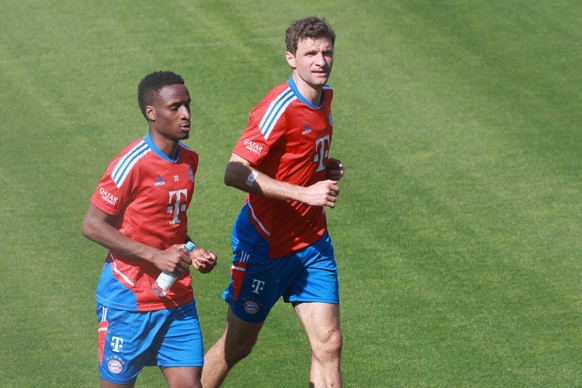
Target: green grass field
column 458, row 228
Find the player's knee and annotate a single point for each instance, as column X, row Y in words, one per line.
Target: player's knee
column 335, row 342
column 238, row 348
column 330, row 345
column 234, row 355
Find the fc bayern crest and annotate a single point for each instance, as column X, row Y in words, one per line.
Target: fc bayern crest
column 251, row 307
column 115, row 364
column 191, row 175
column 330, row 118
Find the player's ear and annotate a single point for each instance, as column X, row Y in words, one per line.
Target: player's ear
column 290, row 59
column 150, row 113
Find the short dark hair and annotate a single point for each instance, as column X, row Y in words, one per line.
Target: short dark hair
column 152, row 84
column 310, row 27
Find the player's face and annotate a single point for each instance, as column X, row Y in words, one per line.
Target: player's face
column 312, row 61
column 170, row 112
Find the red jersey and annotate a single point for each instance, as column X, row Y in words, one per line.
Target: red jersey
column 151, row 194
column 288, row 139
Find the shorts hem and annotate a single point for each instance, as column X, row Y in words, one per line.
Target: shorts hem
column 197, row 365
column 120, row 382
column 327, row 301
column 249, row 319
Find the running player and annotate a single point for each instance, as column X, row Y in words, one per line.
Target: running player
column 138, row 212
column 280, row 242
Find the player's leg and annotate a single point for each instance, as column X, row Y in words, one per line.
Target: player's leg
column 251, row 294
column 321, row 324
column 187, row 377
column 315, row 296
column 236, row 343
column 181, row 351
column 109, row 384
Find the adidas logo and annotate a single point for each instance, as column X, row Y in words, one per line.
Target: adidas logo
column 159, row 181
column 306, row 129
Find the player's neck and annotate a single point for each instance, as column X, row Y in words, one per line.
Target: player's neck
column 309, row 92
column 167, row 146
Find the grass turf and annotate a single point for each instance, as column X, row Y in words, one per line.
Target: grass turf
column 457, row 230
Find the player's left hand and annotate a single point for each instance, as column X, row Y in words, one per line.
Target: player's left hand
column 335, row 169
column 203, row 260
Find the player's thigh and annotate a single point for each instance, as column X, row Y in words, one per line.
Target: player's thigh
column 320, row 321
column 108, row 384
column 240, row 334
column 183, row 376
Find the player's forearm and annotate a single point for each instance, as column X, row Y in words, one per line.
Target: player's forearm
column 269, row 187
column 104, row 234
column 246, row 178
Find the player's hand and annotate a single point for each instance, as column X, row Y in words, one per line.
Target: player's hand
column 323, row 193
column 173, row 260
column 203, row 260
column 335, row 169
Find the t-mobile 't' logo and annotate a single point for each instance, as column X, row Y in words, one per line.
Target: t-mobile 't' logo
column 117, row 343
column 258, row 285
column 321, row 152
column 177, row 204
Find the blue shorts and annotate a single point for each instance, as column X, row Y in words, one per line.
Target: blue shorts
column 308, row 275
column 130, row 340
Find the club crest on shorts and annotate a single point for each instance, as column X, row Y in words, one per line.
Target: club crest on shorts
column 251, row 307
column 115, row 364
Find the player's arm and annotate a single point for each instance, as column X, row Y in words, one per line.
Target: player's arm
column 240, row 173
column 98, row 226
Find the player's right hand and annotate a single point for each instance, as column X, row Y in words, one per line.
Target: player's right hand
column 173, row 260
column 335, row 169
column 323, row 193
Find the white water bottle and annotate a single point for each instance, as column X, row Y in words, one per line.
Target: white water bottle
column 167, row 279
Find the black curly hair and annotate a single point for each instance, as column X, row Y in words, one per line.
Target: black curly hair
column 152, row 84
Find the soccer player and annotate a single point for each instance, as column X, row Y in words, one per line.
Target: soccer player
column 280, row 242
column 138, row 212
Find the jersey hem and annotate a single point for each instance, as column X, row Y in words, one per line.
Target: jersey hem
column 150, row 307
